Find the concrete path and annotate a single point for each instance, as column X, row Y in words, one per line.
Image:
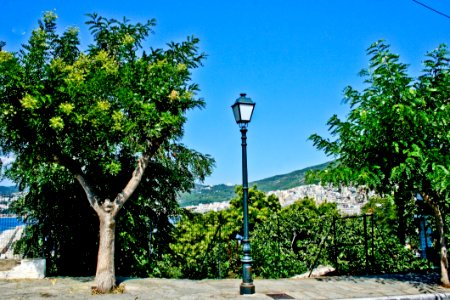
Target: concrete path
column 347, row 287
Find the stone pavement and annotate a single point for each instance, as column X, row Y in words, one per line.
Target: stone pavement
column 339, row 287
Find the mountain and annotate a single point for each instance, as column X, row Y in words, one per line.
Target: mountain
column 203, row 194
column 286, row 181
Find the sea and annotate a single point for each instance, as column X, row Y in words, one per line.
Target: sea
column 8, row 223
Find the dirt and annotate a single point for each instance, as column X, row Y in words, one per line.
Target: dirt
column 8, row 264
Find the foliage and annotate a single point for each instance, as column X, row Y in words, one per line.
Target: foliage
column 110, row 118
column 288, row 241
column 200, row 239
column 388, row 121
column 401, row 220
column 375, row 231
column 192, row 251
column 394, row 139
column 260, row 207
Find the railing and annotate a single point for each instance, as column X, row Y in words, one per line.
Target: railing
column 351, row 244
column 11, row 229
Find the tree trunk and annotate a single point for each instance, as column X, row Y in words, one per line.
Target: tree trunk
column 105, row 278
column 441, row 235
column 107, row 210
column 442, row 247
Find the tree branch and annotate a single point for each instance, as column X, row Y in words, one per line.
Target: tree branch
column 75, row 169
column 136, row 177
column 91, row 196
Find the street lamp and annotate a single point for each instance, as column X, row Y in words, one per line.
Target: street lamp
column 243, row 110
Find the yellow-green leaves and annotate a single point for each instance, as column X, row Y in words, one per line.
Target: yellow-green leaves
column 38, row 33
column 181, row 67
column 8, row 110
column 113, row 167
column 76, row 73
column 73, row 30
column 160, row 63
column 66, row 108
column 57, row 123
column 5, row 56
column 118, row 118
column 57, row 65
column 29, row 102
column 103, row 105
column 100, row 107
column 50, row 16
column 189, row 95
column 128, row 39
column 106, row 62
column 87, row 64
column 363, row 114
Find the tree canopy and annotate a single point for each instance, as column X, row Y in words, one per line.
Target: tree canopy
column 396, row 137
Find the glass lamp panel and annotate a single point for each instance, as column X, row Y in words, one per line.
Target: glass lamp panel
column 246, row 112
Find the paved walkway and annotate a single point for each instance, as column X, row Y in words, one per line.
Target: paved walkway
column 348, row 287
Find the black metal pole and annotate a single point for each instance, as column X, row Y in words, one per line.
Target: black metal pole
column 373, row 244
column 366, row 246
column 335, row 246
column 247, row 286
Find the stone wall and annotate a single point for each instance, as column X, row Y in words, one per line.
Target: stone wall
column 29, row 268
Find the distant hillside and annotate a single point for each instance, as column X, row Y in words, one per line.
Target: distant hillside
column 207, row 194
column 203, row 194
column 286, row 181
column 7, row 190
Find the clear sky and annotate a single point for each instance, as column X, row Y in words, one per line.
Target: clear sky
column 293, row 58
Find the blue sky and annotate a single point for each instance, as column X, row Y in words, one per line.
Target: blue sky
column 293, row 58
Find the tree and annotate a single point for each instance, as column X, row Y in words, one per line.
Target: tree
column 395, row 138
column 55, row 204
column 107, row 115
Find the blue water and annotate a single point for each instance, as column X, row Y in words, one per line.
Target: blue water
column 8, row 223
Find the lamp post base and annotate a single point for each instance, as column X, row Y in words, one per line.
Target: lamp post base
column 247, row 288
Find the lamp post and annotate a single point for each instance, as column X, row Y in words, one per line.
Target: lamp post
column 243, row 110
